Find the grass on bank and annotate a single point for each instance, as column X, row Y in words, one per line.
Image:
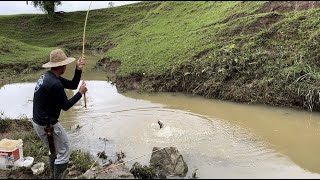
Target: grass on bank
column 154, row 37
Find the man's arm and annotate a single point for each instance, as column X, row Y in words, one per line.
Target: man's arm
column 77, row 75
column 73, row 84
column 62, row 99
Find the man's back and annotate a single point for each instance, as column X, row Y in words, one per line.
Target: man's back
column 50, row 97
column 45, row 107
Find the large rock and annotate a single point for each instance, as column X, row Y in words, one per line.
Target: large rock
column 168, row 161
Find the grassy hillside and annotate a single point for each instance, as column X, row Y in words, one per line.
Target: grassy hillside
column 173, row 33
column 66, row 30
column 32, row 37
column 257, row 52
column 15, row 53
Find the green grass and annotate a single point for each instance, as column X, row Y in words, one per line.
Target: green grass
column 172, row 34
column 14, row 53
column 223, row 49
column 66, row 30
column 81, row 160
column 26, row 40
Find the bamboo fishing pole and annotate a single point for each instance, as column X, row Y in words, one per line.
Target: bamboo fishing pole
column 83, row 39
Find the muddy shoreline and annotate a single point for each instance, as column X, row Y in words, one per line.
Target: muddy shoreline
column 230, row 86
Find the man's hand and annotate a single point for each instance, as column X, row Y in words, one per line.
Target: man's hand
column 81, row 62
column 83, row 88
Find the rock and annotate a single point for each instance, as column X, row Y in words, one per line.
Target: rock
column 26, row 162
column 38, row 168
column 74, row 173
column 168, row 161
column 118, row 172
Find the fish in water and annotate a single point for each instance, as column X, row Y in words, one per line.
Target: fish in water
column 160, row 124
column 194, row 174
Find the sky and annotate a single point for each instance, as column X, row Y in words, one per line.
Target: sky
column 21, row 7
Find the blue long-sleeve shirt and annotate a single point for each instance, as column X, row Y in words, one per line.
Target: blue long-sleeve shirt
column 50, row 97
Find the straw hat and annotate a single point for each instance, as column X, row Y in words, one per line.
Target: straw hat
column 58, row 58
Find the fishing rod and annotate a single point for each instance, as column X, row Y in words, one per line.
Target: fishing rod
column 83, row 40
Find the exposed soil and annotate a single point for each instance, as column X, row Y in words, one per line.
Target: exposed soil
column 287, row 6
column 20, row 174
column 237, row 83
column 15, row 67
column 278, row 6
column 110, row 66
column 261, row 23
column 202, row 54
column 8, row 130
column 234, row 16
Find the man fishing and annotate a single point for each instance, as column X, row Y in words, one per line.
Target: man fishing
column 49, row 98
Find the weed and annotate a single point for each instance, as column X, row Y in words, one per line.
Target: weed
column 81, row 160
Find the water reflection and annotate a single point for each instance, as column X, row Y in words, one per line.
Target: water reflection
column 16, row 100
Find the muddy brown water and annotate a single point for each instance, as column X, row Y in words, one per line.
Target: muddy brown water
column 220, row 139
